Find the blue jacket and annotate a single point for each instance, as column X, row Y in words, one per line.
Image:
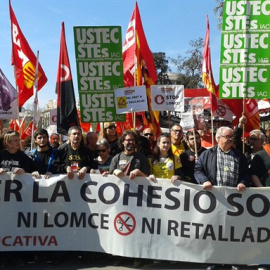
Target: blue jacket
column 206, row 167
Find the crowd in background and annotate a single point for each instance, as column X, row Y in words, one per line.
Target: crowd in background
column 232, row 161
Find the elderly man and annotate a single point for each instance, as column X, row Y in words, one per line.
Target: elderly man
column 178, row 145
column 222, row 165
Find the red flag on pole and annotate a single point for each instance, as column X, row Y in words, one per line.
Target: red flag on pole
column 139, row 65
column 24, row 61
column 251, row 112
column 207, row 75
column 28, row 131
column 66, row 105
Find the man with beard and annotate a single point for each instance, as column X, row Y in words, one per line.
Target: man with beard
column 189, row 157
column 44, row 155
column 132, row 164
column 55, row 140
column 178, row 145
column 129, row 162
column 75, row 156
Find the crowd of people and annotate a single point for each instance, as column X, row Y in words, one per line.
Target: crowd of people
column 173, row 155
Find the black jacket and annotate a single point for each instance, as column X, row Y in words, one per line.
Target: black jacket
column 206, row 167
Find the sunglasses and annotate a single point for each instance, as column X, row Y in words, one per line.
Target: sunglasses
column 111, row 127
column 148, row 134
column 101, row 150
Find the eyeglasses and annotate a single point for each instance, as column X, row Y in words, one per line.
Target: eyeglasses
column 148, row 134
column 111, row 127
column 254, row 139
column 130, row 140
column 227, row 136
column 177, row 130
column 101, row 150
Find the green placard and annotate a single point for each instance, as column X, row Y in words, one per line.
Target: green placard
column 99, row 62
column 245, row 50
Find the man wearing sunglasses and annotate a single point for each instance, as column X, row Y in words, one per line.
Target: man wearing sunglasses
column 254, row 143
column 149, row 134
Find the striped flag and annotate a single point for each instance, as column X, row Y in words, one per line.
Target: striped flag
column 139, row 65
column 207, row 75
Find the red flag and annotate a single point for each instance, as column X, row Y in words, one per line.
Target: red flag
column 14, row 125
column 251, row 112
column 139, row 65
column 84, row 126
column 66, row 106
column 24, row 61
column 28, row 131
column 17, row 125
column 207, row 75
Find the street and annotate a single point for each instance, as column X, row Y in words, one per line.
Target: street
column 71, row 262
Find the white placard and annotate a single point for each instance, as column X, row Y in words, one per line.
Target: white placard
column 130, row 99
column 167, row 97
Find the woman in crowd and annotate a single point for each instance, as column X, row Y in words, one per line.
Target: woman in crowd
column 110, row 134
column 163, row 163
column 104, row 158
column 12, row 159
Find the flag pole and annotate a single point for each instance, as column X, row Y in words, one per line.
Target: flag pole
column 212, row 128
column 169, row 118
column 243, row 113
column 35, row 103
column 195, row 145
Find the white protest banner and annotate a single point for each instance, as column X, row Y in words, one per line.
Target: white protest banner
column 8, row 99
column 167, row 97
column 181, row 221
column 131, row 99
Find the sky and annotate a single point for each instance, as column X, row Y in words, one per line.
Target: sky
column 169, row 26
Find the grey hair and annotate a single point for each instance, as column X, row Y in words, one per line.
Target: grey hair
column 104, row 142
column 74, row 128
column 257, row 132
column 221, row 130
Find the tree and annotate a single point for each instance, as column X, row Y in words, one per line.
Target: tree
column 162, row 67
column 189, row 67
column 218, row 10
